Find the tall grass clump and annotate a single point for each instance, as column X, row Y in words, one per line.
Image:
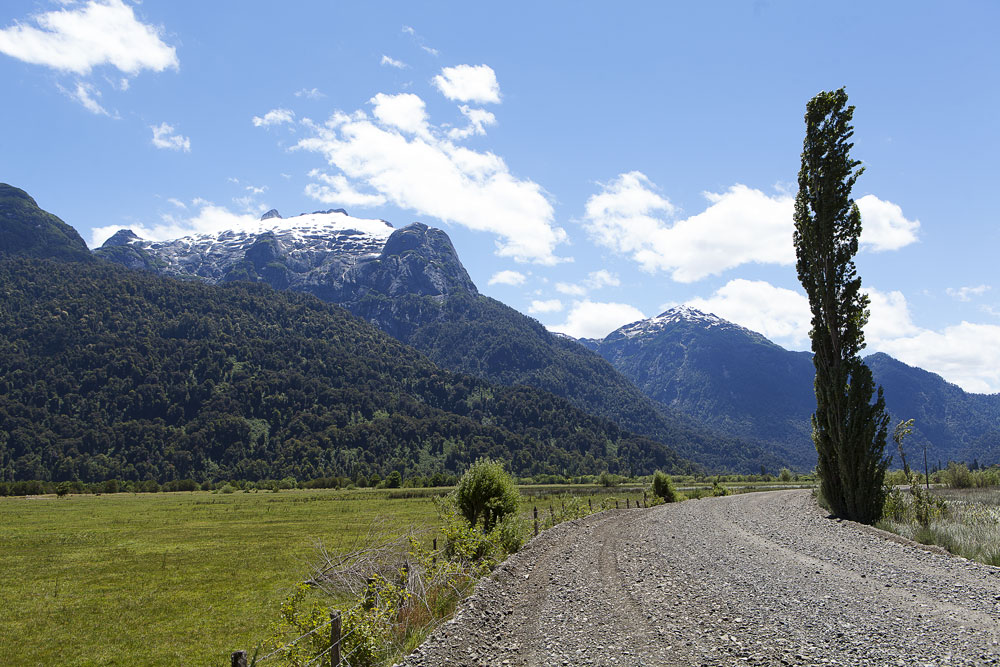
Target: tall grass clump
column 663, row 487
column 966, row 522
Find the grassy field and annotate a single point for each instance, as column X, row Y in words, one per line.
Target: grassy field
column 968, row 523
column 186, row 578
column 167, row 578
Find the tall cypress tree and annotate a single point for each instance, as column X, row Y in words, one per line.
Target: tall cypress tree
column 849, row 428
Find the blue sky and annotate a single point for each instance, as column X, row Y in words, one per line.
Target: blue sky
column 592, row 163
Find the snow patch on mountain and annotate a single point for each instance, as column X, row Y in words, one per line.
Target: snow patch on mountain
column 309, row 239
column 673, row 316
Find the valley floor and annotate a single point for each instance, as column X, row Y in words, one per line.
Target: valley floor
column 755, row 579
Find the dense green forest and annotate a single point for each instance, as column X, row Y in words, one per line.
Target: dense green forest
column 111, row 373
column 474, row 334
column 28, row 231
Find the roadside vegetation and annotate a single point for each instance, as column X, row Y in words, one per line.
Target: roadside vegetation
column 129, row 574
column 961, row 513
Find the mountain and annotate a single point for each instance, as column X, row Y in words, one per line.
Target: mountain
column 738, row 381
column 107, row 372
column 411, row 284
column 954, row 424
column 28, row 231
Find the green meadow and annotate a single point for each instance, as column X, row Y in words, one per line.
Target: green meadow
column 187, row 578
column 167, row 578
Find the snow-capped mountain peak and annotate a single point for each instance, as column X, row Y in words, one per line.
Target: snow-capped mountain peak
column 669, row 317
column 309, row 239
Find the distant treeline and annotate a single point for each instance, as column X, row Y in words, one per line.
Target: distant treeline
column 112, row 374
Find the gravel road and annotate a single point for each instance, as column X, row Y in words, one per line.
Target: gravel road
column 755, row 579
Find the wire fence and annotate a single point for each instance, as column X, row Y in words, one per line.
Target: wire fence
column 337, row 640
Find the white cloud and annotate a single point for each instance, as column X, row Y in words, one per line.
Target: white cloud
column 889, row 317
column 589, row 319
column 571, row 289
column 100, row 32
column 966, row 293
column 966, row 354
column 404, row 111
column 274, row 117
column 507, row 278
column 177, row 202
column 780, row 314
column 602, row 278
column 163, row 137
column 478, row 120
column 310, row 93
column 883, row 225
column 254, row 190
column 211, row 219
column 740, row 226
column 594, row 280
column 419, row 40
column 392, row 62
column 337, row 189
column 469, row 83
column 412, row 164
column 549, row 306
column 249, row 204
column 86, row 94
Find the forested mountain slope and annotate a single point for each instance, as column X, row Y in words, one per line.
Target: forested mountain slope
column 107, row 372
column 410, row 283
column 739, row 382
column 26, row 230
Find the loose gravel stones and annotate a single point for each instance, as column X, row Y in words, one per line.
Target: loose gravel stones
column 756, row 579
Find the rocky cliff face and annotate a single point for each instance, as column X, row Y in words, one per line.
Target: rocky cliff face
column 326, row 253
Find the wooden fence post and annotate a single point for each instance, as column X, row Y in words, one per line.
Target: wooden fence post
column 239, row 659
column 616, row 503
column 536, row 521
column 335, row 628
column 590, row 503
column 628, row 504
column 434, row 550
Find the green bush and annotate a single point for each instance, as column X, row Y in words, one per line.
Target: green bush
column 957, row 476
column 663, row 487
column 486, row 491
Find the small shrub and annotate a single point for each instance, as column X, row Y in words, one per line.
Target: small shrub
column 785, row 475
column 719, row 490
column 663, row 487
column 608, row 480
column 486, row 491
column 957, row 476
column 895, row 507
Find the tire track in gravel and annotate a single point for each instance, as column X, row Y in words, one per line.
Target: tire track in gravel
column 757, row 579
